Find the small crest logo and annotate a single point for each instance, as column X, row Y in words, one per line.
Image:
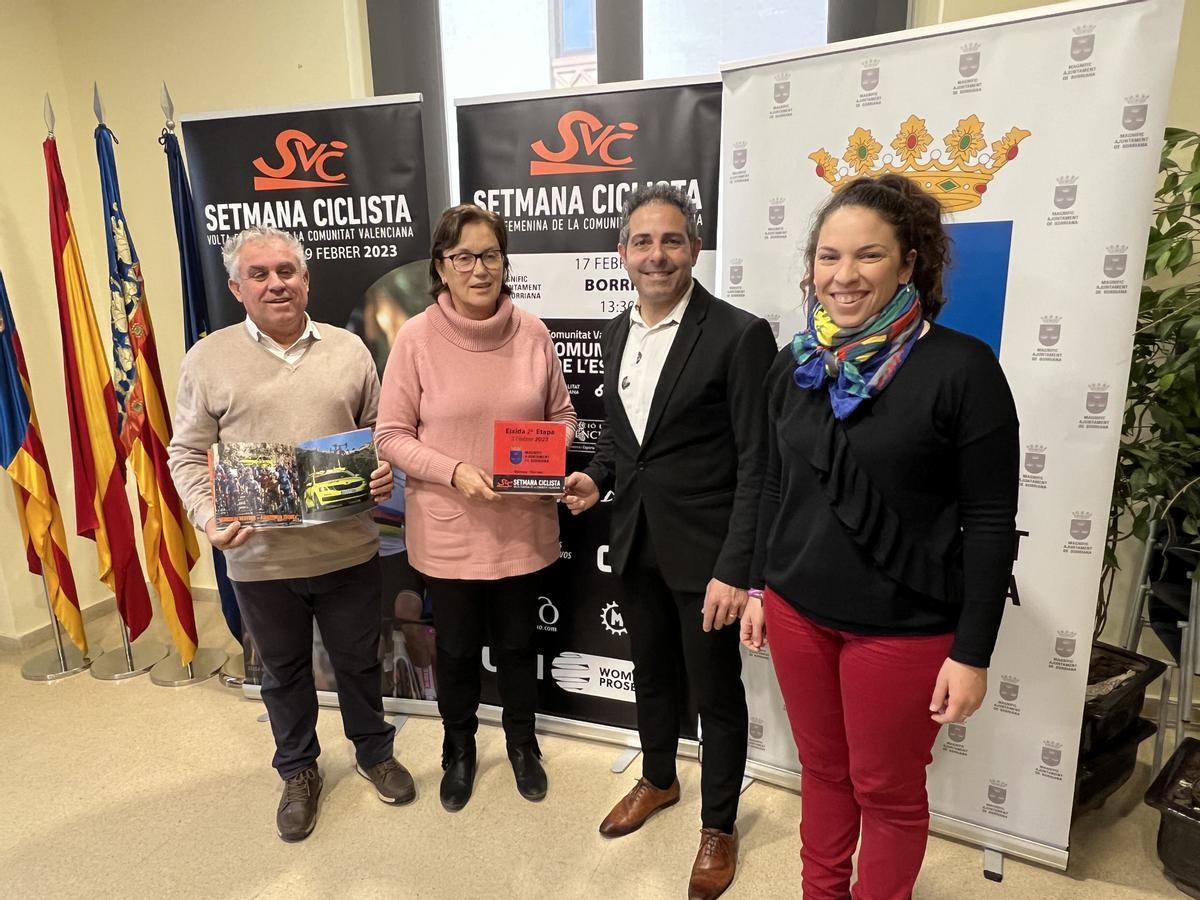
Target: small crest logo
column 588, row 145
column 956, row 733
column 773, row 321
column 612, row 620
column 1081, row 525
column 958, row 176
column 296, row 148
column 1010, row 688
column 783, row 87
column 1035, row 459
column 1083, row 43
column 1050, row 330
column 1133, row 117
column 740, row 151
column 1064, row 642
column 997, row 792
column 756, row 730
column 776, row 210
column 516, row 456
column 869, row 79
column 1066, row 191
column 1097, row 398
column 1052, row 753
column 1115, row 260
column 968, row 60
column 548, row 612
column 735, row 271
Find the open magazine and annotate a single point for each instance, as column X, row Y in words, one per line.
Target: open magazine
column 271, row 484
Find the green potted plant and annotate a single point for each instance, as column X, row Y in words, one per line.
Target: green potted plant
column 1157, row 479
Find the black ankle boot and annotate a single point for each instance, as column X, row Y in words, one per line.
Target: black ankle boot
column 531, row 777
column 458, row 763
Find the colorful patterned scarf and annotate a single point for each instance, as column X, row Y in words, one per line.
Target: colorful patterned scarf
column 857, row 362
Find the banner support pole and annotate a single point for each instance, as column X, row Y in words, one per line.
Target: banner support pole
column 62, row 661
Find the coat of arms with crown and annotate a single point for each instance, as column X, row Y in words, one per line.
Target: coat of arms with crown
column 958, row 176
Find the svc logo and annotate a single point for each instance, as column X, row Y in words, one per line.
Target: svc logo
column 594, row 140
column 612, row 620
column 297, row 149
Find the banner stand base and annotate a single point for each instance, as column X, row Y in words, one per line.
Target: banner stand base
column 127, row 662
column 624, row 760
column 396, row 720
column 49, row 667
column 747, row 780
column 233, row 673
column 993, row 865
column 171, row 672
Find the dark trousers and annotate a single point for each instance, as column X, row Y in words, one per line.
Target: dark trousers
column 672, row 655
column 465, row 613
column 279, row 615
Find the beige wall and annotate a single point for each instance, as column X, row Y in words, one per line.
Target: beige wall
column 220, row 54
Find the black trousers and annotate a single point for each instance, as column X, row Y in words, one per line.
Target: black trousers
column 279, row 615
column 673, row 655
column 465, row 615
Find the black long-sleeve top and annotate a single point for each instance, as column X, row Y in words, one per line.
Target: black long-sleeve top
column 901, row 519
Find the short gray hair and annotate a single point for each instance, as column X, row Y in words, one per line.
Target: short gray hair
column 661, row 193
column 231, row 252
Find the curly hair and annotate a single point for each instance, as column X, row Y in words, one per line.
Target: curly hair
column 916, row 219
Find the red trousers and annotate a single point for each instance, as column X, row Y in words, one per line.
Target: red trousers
column 859, row 710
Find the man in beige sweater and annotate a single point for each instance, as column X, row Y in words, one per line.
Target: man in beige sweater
column 278, row 376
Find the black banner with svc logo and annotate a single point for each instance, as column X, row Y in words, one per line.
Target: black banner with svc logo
column 349, row 182
column 558, row 168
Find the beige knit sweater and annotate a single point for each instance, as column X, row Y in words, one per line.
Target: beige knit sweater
column 233, row 389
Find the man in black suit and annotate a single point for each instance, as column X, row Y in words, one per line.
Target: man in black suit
column 683, row 448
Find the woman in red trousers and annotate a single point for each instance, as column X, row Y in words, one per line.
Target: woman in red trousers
column 886, row 533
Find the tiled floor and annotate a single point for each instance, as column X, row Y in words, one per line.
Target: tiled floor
column 135, row 791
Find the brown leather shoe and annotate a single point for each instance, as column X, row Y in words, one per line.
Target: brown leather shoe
column 637, row 806
column 715, row 865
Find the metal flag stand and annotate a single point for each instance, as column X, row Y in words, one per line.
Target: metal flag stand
column 61, row 662
column 171, row 672
column 116, row 665
column 233, row 673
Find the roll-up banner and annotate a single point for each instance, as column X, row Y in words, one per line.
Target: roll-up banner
column 1040, row 133
column 348, row 180
column 558, row 168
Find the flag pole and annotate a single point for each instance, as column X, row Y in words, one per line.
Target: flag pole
column 62, row 661
column 116, row 665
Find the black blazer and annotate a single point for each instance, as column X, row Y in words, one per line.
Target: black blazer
column 698, row 473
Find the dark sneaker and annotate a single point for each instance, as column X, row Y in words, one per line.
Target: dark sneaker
column 297, row 812
column 392, row 782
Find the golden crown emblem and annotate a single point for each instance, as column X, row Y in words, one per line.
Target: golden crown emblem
column 958, row 177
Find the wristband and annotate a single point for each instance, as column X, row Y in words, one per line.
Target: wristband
column 755, row 594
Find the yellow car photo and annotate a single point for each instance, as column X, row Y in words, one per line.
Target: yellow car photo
column 330, row 488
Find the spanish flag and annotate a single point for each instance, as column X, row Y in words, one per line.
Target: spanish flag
column 144, row 422
column 23, row 456
column 101, row 509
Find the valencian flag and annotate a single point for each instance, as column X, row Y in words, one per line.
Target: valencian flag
column 143, row 422
column 101, row 509
column 195, row 322
column 23, row 456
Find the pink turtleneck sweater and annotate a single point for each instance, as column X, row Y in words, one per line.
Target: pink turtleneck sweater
column 448, row 379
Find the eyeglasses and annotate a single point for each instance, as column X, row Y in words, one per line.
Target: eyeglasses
column 464, row 261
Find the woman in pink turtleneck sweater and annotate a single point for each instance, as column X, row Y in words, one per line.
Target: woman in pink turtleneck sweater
column 468, row 360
